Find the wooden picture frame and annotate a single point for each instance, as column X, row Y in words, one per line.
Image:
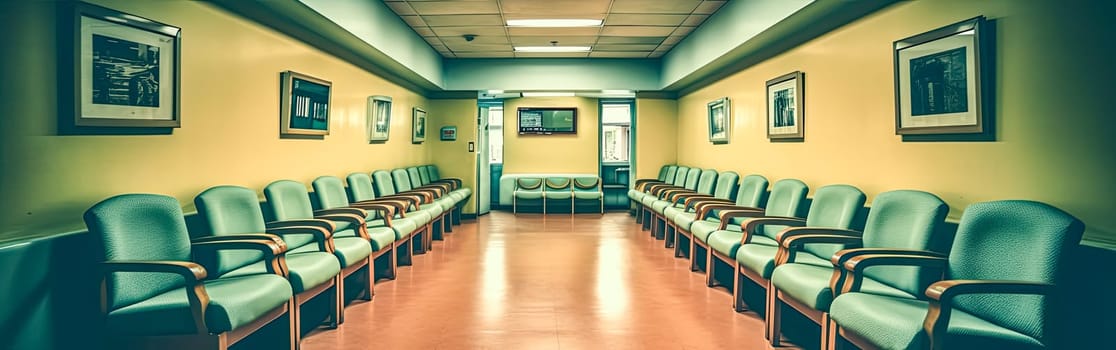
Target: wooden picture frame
column 418, row 125
column 720, row 120
column 378, row 118
column 939, row 81
column 304, row 104
column 125, row 69
column 786, row 106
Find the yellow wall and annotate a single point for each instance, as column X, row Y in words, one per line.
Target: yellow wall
column 656, row 137
column 552, row 153
column 453, row 157
column 229, row 135
column 1054, row 138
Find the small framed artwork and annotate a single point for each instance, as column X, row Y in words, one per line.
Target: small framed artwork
column 125, row 69
column 378, row 118
column 938, row 81
column 719, row 119
column 304, row 108
column 418, row 120
column 449, row 133
column 786, row 106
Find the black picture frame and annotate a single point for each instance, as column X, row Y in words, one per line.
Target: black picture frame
column 942, row 81
column 418, row 125
column 125, row 69
column 719, row 113
column 304, row 107
column 786, row 106
column 378, row 118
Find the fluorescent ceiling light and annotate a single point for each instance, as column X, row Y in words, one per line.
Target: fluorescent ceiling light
column 616, row 92
column 554, row 22
column 547, row 94
column 552, row 48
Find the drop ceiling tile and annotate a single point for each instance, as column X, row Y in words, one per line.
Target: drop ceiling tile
column 655, row 6
column 656, row 54
column 518, row 9
column 401, row 8
column 545, row 40
column 463, row 20
column 619, row 54
column 628, row 19
column 674, row 39
column 475, row 30
column 630, row 40
column 636, row 31
column 708, row 7
column 480, row 39
column 694, row 20
column 489, row 54
column 646, row 47
column 551, row 54
column 482, row 7
column 414, row 21
column 424, row 31
column 471, row 47
column 683, row 31
column 575, row 31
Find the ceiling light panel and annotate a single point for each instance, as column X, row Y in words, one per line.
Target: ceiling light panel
column 555, row 22
column 552, row 48
column 548, row 94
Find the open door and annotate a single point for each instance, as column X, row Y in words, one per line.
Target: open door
column 489, row 154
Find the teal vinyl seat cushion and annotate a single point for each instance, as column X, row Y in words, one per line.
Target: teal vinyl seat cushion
column 233, row 302
column 809, row 284
column 761, row 258
column 351, row 249
column 307, row 269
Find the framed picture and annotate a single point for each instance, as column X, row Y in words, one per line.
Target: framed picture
column 719, row 120
column 378, row 118
column 304, row 104
column 786, row 106
column 938, row 81
column 125, row 69
column 418, row 119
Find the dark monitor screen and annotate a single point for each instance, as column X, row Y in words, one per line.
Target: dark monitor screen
column 543, row 121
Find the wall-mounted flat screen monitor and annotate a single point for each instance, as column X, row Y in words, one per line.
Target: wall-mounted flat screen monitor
column 547, row 120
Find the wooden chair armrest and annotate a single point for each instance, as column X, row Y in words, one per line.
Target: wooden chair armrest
column 272, row 251
column 854, row 267
column 837, row 281
column 385, row 210
column 191, row 271
column 356, row 220
column 425, row 196
column 728, row 215
column 705, row 209
column 696, row 200
column 411, row 200
column 654, row 189
column 324, row 224
column 241, row 236
column 321, row 235
column 789, row 246
column 941, row 296
column 350, row 211
column 750, row 226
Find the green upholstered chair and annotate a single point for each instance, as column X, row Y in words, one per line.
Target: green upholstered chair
column 899, row 221
column 995, row 291
column 678, row 180
column 379, row 218
column 460, row 194
column 679, row 216
column 233, row 212
column 527, row 190
column 408, row 222
column 155, row 296
column 423, row 212
column 655, row 193
column 558, row 189
column 786, row 199
column 414, row 174
column 636, row 192
column 289, row 200
column 435, row 203
column 587, row 188
column 752, row 251
column 706, row 184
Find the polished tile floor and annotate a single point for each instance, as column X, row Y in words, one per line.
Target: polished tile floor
column 545, row 282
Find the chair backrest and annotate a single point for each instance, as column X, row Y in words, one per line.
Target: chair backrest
column 416, row 176
column 906, row 219
column 586, row 183
column 692, row 177
column 663, row 172
column 229, row 210
column 330, row 192
column 707, row 181
column 558, row 184
column 529, row 184
column 401, row 179
column 1012, row 240
column 726, row 185
column 433, row 172
column 142, row 227
column 360, row 187
column 787, row 198
column 424, row 174
column 752, row 191
column 289, row 200
column 680, row 176
column 834, row 206
column 666, row 174
column 381, row 180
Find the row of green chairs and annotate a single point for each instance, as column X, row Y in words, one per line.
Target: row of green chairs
column 252, row 265
column 892, row 276
column 564, row 189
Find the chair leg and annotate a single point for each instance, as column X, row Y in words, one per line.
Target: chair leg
column 737, row 290
column 337, row 298
column 710, row 268
column 370, row 277
column 393, row 263
column 671, row 233
column 774, row 316
column 295, row 334
column 831, row 335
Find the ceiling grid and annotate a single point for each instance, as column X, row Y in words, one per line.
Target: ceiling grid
column 631, row 28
